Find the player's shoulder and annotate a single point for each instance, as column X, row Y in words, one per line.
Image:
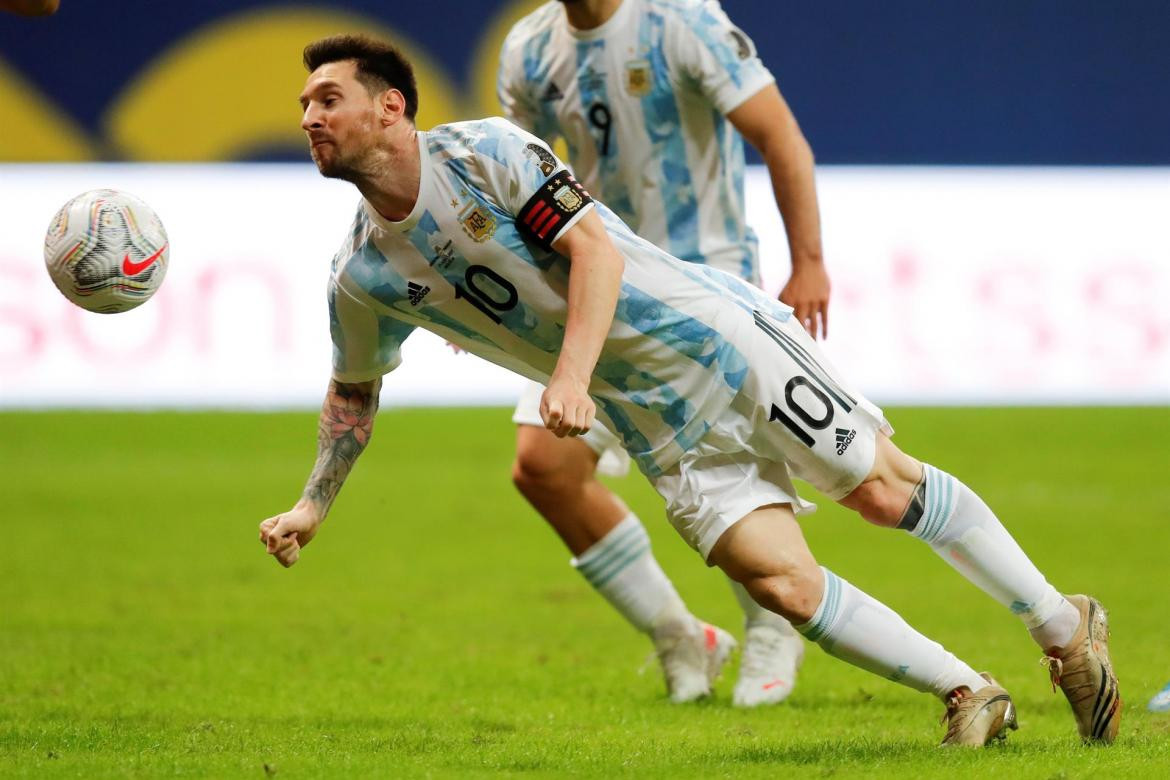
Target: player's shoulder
column 679, row 11
column 538, row 24
column 703, row 18
column 491, row 137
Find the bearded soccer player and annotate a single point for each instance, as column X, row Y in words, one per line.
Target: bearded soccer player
column 651, row 98
column 716, row 391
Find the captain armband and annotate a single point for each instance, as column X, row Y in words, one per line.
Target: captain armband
column 555, row 204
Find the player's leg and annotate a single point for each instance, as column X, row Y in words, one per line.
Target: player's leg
column 940, row 510
column 766, row 552
column 558, row 477
column 612, row 550
column 827, row 433
column 943, row 512
column 772, row 654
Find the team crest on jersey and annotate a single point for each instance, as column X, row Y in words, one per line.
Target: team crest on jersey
column 743, row 44
column 639, row 78
column 477, row 222
column 544, row 158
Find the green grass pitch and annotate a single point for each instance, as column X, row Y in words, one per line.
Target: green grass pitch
column 434, row 628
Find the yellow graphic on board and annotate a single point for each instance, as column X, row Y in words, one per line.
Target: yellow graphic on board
column 232, row 88
column 229, row 89
column 34, row 130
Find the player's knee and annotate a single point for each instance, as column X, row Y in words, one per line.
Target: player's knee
column 536, row 474
column 878, row 501
column 794, row 593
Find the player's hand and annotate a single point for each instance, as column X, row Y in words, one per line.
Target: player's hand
column 807, row 292
column 458, row 350
column 566, row 408
column 284, row 535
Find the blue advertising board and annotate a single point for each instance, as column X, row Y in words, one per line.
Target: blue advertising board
column 1061, row 82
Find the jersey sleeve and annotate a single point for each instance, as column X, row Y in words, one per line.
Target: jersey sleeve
column 537, row 188
column 365, row 344
column 718, row 57
column 517, row 101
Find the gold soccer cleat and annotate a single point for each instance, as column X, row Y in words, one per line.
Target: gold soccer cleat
column 974, row 719
column 1083, row 671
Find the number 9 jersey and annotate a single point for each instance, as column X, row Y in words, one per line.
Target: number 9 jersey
column 641, row 103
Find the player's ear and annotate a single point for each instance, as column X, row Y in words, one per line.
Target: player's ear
column 393, row 106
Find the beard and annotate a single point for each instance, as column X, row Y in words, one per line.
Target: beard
column 331, row 164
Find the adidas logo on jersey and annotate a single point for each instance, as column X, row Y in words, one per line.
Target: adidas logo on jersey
column 844, row 439
column 553, row 92
column 416, row 292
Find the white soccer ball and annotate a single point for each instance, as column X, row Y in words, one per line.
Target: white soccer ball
column 106, row 251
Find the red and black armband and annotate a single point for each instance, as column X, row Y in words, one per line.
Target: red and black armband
column 554, row 205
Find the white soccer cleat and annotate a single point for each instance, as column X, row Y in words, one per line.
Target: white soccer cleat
column 1161, row 700
column 767, row 670
column 692, row 654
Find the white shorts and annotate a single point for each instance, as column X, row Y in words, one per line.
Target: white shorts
column 612, row 459
column 794, row 416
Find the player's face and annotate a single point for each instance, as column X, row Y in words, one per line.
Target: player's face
column 340, row 120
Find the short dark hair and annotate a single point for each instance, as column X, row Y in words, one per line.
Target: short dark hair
column 380, row 66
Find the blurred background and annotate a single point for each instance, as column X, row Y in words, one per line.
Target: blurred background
column 994, row 181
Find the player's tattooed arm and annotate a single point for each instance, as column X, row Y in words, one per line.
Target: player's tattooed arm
column 344, row 430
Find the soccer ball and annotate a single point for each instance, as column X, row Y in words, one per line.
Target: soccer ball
column 106, row 251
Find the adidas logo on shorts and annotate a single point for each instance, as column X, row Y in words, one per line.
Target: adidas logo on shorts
column 844, row 439
column 416, row 292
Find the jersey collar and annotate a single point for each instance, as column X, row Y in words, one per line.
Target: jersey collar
column 424, row 178
column 609, row 25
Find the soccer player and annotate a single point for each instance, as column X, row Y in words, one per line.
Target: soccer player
column 475, row 231
column 649, row 96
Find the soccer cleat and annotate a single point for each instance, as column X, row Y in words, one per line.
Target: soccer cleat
column 692, row 654
column 1083, row 671
column 767, row 669
column 975, row 718
column 1161, row 700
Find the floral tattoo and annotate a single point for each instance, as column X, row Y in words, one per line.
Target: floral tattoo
column 347, row 422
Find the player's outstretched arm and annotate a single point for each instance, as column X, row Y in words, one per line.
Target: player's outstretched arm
column 344, row 430
column 767, row 123
column 595, row 276
column 30, row 7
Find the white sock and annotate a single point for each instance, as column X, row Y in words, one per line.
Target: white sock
column 860, row 630
column 966, row 534
column 754, row 614
column 621, row 568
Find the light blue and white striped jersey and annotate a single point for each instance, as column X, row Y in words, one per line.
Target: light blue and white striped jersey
column 473, row 263
column 641, row 103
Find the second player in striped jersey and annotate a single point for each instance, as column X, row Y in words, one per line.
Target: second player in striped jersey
column 651, row 98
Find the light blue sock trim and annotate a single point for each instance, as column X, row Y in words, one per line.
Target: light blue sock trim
column 942, row 494
column 623, row 545
column 612, row 545
column 826, row 614
column 602, row 577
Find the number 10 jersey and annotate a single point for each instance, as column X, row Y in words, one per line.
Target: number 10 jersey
column 474, row 263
